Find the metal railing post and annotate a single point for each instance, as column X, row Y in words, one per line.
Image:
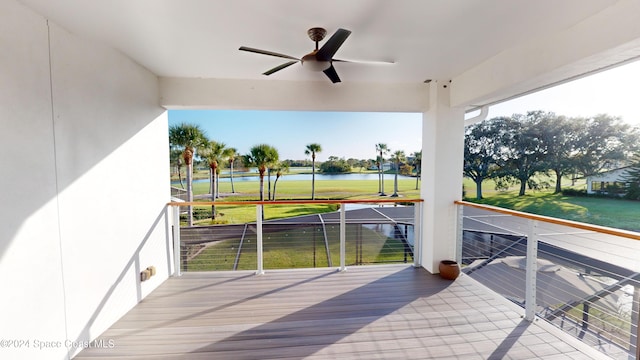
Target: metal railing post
column 343, row 236
column 531, row 272
column 459, row 232
column 417, row 234
column 260, row 270
column 634, row 345
column 176, row 241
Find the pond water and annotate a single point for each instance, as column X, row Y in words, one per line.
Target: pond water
column 307, row 177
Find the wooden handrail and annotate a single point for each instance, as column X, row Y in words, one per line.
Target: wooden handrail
column 291, row 202
column 574, row 224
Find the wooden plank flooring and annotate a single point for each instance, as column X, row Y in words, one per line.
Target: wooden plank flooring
column 375, row 312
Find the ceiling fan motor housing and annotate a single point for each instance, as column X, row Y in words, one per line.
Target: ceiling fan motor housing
column 310, row 62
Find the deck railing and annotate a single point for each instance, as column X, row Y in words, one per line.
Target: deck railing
column 585, row 279
column 344, row 233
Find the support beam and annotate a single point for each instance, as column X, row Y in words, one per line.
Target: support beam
column 554, row 58
column 232, row 94
column 442, row 154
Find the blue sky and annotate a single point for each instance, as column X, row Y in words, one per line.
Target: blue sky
column 340, row 134
column 614, row 92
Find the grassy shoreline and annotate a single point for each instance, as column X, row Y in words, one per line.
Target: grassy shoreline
column 292, row 190
column 617, row 213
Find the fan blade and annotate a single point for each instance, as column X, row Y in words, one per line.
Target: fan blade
column 332, row 74
column 265, row 52
column 279, row 67
column 365, row 62
column 332, row 45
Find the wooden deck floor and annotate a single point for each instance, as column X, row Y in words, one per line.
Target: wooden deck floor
column 377, row 312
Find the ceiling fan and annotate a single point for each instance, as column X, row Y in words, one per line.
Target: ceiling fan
column 320, row 59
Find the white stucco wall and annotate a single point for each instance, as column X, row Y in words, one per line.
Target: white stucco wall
column 84, row 185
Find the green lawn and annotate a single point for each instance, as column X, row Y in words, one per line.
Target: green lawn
column 617, row 213
column 288, row 190
column 302, row 247
column 240, row 214
column 299, row 189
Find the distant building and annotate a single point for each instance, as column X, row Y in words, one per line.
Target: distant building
column 385, row 167
column 609, row 182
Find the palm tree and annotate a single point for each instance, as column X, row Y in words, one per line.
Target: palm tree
column 187, row 137
column 261, row 156
column 280, row 169
column 417, row 162
column 231, row 154
column 312, row 149
column 213, row 152
column 381, row 149
column 176, row 159
column 398, row 156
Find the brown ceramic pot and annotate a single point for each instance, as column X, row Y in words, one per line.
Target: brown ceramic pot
column 449, row 269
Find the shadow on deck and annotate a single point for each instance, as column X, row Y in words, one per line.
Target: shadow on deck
column 391, row 311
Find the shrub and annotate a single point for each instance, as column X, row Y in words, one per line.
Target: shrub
column 633, row 192
column 335, row 166
column 199, row 213
column 574, row 192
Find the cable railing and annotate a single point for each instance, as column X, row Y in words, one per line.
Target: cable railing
column 584, row 279
column 178, row 193
column 265, row 235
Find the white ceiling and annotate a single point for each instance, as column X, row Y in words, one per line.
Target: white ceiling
column 427, row 39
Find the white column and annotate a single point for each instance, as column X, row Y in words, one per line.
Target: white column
column 442, row 156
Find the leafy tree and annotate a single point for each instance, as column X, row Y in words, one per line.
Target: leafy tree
column 398, row 156
column 482, row 149
column 298, row 163
column 523, row 151
column 335, row 165
column 406, row 170
column 514, row 149
column 417, row 163
column 313, row 149
column 602, row 143
column 261, row 156
column 382, row 149
column 188, row 138
column 633, row 178
column 371, row 164
column 560, row 136
column 354, row 162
